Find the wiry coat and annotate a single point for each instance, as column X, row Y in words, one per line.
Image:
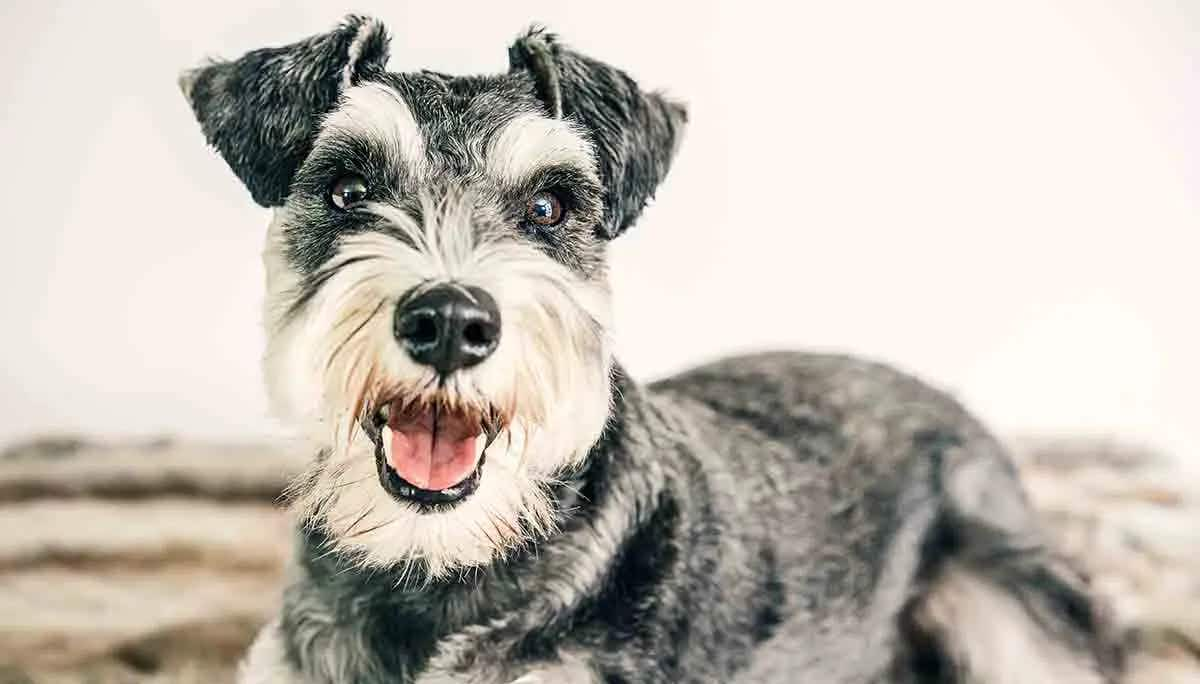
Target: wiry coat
column 774, row 518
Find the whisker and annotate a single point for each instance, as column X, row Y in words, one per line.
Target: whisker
column 514, row 534
column 489, row 537
column 313, row 284
column 333, row 548
column 348, row 530
column 354, row 333
column 353, row 482
column 371, row 529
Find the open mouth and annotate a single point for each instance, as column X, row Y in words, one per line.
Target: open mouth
column 430, row 454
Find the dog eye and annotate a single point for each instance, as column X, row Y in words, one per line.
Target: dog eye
column 348, row 190
column 544, row 209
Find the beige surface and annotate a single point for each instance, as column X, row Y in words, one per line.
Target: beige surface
column 136, row 562
column 1132, row 520
column 155, row 562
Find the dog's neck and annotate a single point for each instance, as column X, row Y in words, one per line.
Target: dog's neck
column 397, row 615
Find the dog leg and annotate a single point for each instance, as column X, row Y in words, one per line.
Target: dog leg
column 986, row 634
column 999, row 607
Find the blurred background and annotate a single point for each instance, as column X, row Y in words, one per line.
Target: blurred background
column 999, row 197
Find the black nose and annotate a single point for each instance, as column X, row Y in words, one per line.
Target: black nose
column 449, row 327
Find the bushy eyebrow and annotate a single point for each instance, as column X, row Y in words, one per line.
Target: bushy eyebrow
column 378, row 112
column 531, row 142
column 581, row 184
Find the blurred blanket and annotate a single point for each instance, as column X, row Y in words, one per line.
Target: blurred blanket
column 157, row 561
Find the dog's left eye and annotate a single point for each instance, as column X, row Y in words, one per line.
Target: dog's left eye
column 348, row 190
column 544, row 209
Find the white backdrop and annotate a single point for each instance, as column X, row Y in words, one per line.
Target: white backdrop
column 1001, row 197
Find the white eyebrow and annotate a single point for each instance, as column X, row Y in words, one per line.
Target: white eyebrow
column 531, row 142
column 378, row 112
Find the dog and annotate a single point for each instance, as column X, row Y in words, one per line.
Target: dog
column 494, row 499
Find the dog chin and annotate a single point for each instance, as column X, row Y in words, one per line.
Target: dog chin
column 430, row 488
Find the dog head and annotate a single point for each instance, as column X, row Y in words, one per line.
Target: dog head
column 437, row 308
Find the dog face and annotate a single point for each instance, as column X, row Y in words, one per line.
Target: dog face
column 437, row 309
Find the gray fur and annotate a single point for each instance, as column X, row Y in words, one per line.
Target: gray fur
column 260, row 110
column 636, row 134
column 459, row 117
column 772, row 518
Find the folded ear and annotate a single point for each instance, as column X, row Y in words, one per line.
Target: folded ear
column 261, row 111
column 635, row 133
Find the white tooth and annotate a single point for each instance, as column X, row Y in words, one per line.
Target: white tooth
column 386, row 435
column 385, row 412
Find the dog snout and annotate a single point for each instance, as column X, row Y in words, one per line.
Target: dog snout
column 449, row 327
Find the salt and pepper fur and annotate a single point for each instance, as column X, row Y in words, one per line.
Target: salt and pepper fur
column 772, row 518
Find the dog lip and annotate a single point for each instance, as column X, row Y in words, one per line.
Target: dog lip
column 491, row 421
column 425, row 500
column 391, row 409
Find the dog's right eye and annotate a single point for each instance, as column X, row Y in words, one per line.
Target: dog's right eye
column 544, row 209
column 348, row 190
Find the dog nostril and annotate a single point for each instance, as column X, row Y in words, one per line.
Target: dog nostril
column 421, row 329
column 477, row 334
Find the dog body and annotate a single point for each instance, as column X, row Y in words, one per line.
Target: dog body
column 494, row 500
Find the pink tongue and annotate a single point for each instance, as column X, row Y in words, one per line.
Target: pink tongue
column 431, row 463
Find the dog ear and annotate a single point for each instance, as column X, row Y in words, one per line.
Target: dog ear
column 635, row 133
column 261, row 111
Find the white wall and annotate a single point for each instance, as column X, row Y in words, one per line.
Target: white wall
column 999, row 196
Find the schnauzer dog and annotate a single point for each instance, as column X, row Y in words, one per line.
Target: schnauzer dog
column 494, row 500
